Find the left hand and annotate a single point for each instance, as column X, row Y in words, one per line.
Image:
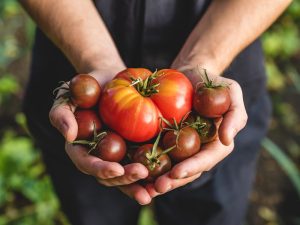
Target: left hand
column 211, row 153
column 191, row 168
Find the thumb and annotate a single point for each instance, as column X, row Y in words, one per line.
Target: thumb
column 62, row 117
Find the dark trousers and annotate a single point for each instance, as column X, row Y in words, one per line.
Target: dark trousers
column 218, row 197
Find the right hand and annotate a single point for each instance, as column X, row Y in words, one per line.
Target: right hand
column 107, row 173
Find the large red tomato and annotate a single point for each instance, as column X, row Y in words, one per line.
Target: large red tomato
column 133, row 102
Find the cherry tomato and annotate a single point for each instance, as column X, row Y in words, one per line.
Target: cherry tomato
column 87, row 121
column 157, row 165
column 209, row 132
column 134, row 101
column 207, row 128
column 186, row 140
column 111, row 147
column 84, row 91
column 211, row 102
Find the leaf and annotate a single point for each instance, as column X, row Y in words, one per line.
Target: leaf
column 284, row 161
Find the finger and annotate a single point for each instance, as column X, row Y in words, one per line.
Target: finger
column 236, row 117
column 165, row 184
column 133, row 173
column 62, row 117
column 209, row 155
column 92, row 165
column 136, row 192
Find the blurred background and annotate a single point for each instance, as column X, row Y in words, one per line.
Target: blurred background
column 26, row 193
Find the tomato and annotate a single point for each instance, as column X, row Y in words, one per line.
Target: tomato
column 136, row 98
column 212, row 102
column 207, row 128
column 87, row 121
column 156, row 165
column 84, row 90
column 111, row 147
column 209, row 132
column 186, row 140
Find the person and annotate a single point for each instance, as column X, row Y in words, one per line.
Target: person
column 103, row 37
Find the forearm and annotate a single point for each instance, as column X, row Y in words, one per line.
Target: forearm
column 225, row 30
column 78, row 30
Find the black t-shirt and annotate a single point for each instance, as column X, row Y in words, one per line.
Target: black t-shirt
column 147, row 33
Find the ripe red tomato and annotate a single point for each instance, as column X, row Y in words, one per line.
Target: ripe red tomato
column 186, row 140
column 87, row 121
column 157, row 165
column 133, row 102
column 110, row 148
column 84, row 91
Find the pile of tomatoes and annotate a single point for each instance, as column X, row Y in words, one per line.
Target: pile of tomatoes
column 153, row 118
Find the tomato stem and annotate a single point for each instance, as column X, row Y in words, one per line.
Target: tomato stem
column 209, row 83
column 146, row 87
column 166, row 151
column 94, row 143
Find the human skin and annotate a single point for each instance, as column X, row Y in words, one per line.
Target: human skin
column 225, row 30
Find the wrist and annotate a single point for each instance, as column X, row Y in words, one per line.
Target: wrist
column 102, row 68
column 193, row 67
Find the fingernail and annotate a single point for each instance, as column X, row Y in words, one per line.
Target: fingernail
column 182, row 175
column 146, row 201
column 64, row 129
column 135, row 176
column 112, row 174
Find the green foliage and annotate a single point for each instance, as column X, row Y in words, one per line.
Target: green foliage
column 26, row 194
column 147, row 216
column 8, row 86
column 284, row 161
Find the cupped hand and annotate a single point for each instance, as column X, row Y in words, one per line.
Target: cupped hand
column 190, row 169
column 107, row 173
column 211, row 153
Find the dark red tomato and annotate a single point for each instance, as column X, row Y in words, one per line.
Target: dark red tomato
column 209, row 132
column 84, row 91
column 133, row 102
column 207, row 128
column 86, row 120
column 156, row 166
column 188, row 143
column 111, row 147
column 211, row 102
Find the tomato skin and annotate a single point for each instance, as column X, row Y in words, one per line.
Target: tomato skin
column 86, row 120
column 136, row 117
column 188, row 143
column 212, row 102
column 209, row 132
column 111, row 148
column 161, row 168
column 84, row 90
column 124, row 110
column 175, row 95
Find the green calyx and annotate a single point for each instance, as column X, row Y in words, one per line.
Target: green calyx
column 199, row 126
column 93, row 143
column 153, row 157
column 208, row 83
column 63, row 86
column 175, row 127
column 146, row 87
